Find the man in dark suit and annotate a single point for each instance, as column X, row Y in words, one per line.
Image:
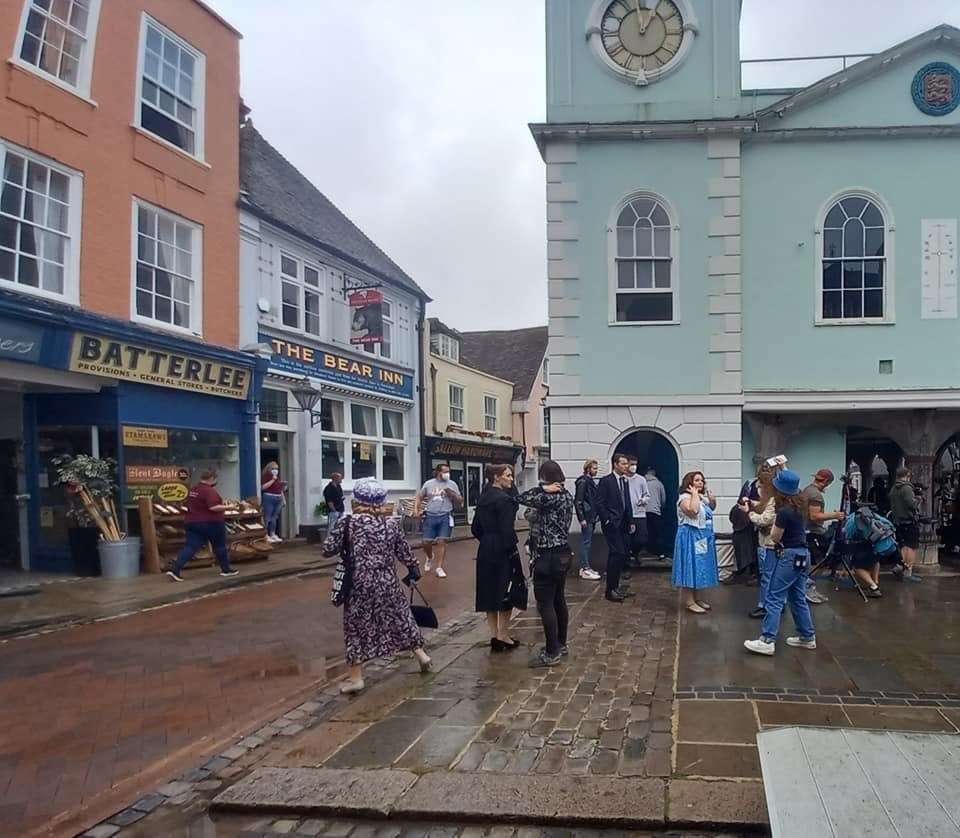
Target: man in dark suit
column 615, row 513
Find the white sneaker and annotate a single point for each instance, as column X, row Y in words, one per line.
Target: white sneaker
column 800, row 643
column 441, row 573
column 587, row 573
column 760, row 646
column 427, row 567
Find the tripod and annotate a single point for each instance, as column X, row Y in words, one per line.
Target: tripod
column 835, row 554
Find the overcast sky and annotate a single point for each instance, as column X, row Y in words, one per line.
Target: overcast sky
column 411, row 116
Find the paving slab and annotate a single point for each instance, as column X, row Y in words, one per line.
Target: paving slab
column 716, row 803
column 729, row 722
column 606, row 801
column 317, row 790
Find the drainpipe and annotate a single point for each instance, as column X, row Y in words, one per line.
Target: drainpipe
column 433, row 398
column 421, row 385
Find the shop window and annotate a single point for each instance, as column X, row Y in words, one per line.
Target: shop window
column 331, row 416
column 185, row 455
column 376, row 442
column 273, row 407
column 364, row 420
column 853, row 262
column 364, row 460
column 300, row 290
column 39, row 225
column 490, row 414
column 332, row 455
column 392, row 424
column 56, row 41
column 167, row 269
column 644, row 282
column 457, row 412
column 170, row 100
column 393, row 457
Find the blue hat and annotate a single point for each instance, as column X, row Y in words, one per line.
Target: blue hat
column 370, row 491
column 787, row 482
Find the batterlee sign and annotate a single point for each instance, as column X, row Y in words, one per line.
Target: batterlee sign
column 338, row 369
column 366, row 316
column 146, row 365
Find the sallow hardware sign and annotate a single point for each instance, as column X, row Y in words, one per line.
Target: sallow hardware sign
column 366, row 316
column 148, row 365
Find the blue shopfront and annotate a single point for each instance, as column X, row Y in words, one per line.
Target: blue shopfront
column 164, row 407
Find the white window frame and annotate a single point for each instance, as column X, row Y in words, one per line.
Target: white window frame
column 612, row 254
column 71, row 274
column 200, row 88
column 462, row 407
column 196, row 303
column 319, row 291
column 378, row 441
column 889, row 296
column 545, row 372
column 495, row 416
column 85, row 70
column 389, row 322
column 291, row 413
column 447, row 347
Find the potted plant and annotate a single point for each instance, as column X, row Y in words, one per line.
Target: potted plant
column 90, row 484
column 315, row 532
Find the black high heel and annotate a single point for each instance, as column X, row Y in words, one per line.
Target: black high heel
column 498, row 645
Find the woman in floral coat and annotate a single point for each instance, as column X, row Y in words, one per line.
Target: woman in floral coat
column 377, row 621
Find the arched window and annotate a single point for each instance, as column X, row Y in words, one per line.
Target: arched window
column 644, row 281
column 853, row 267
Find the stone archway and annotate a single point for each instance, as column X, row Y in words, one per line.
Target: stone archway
column 654, row 449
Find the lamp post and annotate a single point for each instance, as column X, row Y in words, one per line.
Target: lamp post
column 307, row 396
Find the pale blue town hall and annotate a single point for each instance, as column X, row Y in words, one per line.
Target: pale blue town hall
column 738, row 273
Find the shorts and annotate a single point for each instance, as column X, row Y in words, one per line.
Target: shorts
column 908, row 535
column 862, row 556
column 436, row 527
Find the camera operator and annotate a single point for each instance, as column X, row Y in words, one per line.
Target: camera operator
column 905, row 515
column 817, row 518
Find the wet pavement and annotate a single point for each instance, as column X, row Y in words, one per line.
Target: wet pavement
column 92, row 717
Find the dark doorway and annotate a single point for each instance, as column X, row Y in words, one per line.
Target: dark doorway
column 9, row 510
column 653, row 450
column 877, row 457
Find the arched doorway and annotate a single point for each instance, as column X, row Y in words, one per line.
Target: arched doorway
column 654, row 450
column 872, row 462
column 946, row 494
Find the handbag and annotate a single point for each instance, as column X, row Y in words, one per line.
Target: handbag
column 423, row 615
column 518, row 594
column 343, row 574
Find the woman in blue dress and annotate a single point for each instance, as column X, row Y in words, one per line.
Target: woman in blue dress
column 695, row 550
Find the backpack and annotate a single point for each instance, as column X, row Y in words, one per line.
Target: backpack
column 867, row 525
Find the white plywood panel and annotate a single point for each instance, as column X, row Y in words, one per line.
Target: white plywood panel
column 938, row 277
column 882, row 784
column 793, row 802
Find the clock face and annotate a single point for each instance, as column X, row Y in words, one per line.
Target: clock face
column 642, row 35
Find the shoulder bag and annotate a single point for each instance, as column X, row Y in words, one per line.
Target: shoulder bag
column 423, row 615
column 343, row 575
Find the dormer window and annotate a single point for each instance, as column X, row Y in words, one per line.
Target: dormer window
column 445, row 346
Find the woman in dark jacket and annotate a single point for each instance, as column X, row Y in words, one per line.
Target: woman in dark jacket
column 497, row 558
column 554, row 505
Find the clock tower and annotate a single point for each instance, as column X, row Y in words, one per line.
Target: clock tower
column 642, row 60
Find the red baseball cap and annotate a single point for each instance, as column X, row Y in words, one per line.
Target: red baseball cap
column 824, row 474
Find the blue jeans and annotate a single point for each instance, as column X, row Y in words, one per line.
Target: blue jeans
column 272, row 504
column 586, row 541
column 197, row 536
column 766, row 561
column 788, row 584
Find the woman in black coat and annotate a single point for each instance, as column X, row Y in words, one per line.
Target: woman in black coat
column 494, row 526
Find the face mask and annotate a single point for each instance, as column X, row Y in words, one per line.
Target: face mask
column 274, row 472
column 633, row 469
column 444, row 476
